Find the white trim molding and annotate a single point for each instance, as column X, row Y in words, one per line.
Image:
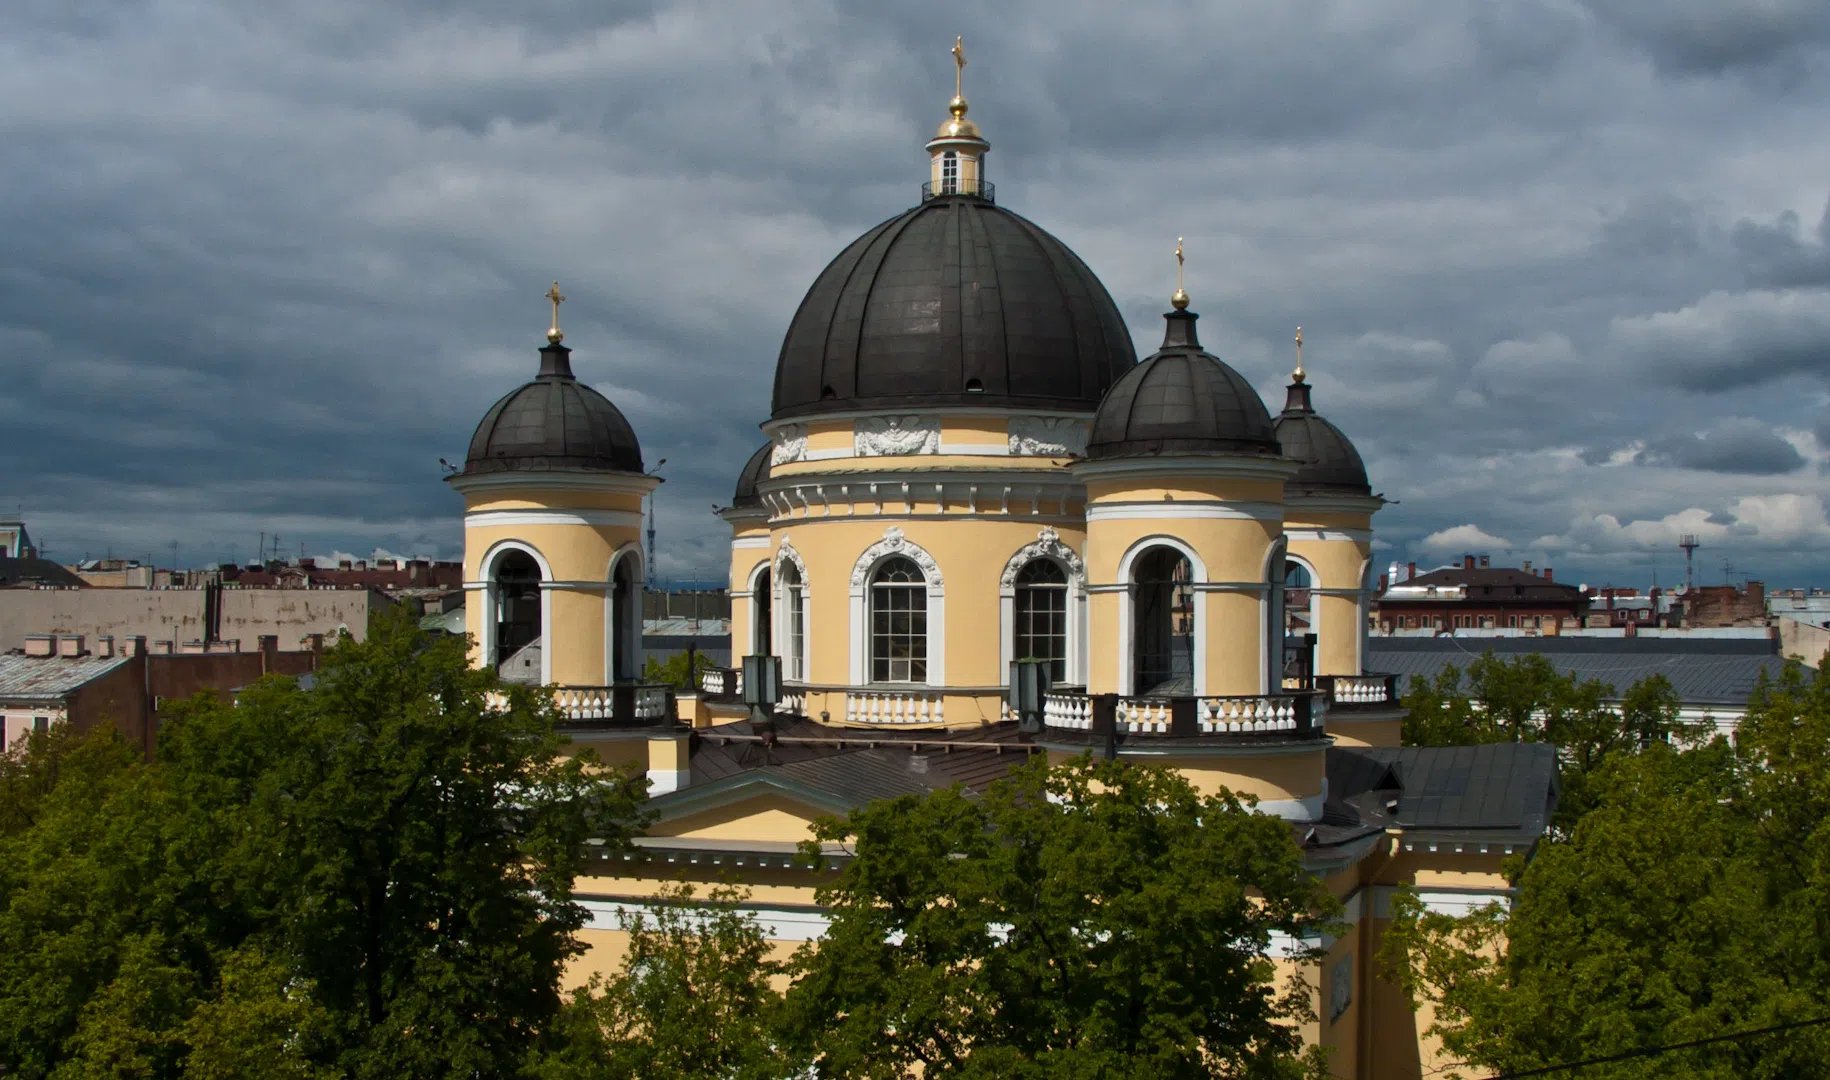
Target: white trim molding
column 780, row 610
column 746, row 543
column 1242, row 467
column 614, row 635
column 894, row 543
column 615, row 483
column 485, row 519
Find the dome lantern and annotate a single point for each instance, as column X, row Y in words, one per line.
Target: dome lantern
column 956, row 154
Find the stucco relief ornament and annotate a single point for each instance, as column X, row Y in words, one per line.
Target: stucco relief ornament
column 1047, row 545
column 1047, row 436
column 790, row 444
column 894, row 543
column 895, row 436
column 787, row 554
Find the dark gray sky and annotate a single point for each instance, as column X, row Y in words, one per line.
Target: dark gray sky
column 1563, row 266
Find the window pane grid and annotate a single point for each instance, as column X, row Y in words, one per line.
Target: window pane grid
column 899, row 623
column 1041, row 616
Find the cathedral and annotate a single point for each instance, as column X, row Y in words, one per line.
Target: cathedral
column 966, row 465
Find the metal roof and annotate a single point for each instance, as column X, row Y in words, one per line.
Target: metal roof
column 51, row 678
column 1182, row 399
column 955, row 302
column 1501, row 791
column 554, row 422
column 1707, row 671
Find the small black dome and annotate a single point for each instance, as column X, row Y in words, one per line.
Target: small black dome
column 755, row 471
column 1181, row 400
column 955, row 302
column 1330, row 464
column 554, row 423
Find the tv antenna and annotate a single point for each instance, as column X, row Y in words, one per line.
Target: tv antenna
column 1690, row 544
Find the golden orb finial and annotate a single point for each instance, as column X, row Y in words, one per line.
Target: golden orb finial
column 1179, row 298
column 1298, row 376
column 555, row 336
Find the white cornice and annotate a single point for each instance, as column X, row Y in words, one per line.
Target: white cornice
column 613, row 483
column 1300, row 533
column 769, row 426
column 1238, row 467
column 1334, row 504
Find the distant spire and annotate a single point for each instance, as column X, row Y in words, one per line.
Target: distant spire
column 1297, row 400
column 555, row 335
column 1298, row 374
column 958, row 105
column 1179, row 298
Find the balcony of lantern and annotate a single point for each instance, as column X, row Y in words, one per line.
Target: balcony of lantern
column 960, row 188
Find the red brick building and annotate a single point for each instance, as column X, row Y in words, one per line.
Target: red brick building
column 1478, row 595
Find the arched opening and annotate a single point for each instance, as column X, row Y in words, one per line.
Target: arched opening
column 1163, row 623
column 625, row 621
column 515, row 588
column 899, row 622
column 1041, row 611
column 794, row 623
column 1298, row 617
column 762, row 612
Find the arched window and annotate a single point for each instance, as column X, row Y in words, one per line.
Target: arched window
column 1042, row 616
column 1298, row 620
column 625, row 621
column 899, row 622
column 515, row 584
column 1163, row 623
column 794, row 623
column 762, row 611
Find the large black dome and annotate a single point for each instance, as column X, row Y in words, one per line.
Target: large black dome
column 1330, row 464
column 755, row 471
column 554, row 423
column 955, row 302
column 1181, row 400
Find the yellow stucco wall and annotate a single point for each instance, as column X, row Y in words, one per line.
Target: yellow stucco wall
column 577, row 559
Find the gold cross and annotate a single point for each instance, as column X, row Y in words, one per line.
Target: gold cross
column 959, row 63
column 1178, row 264
column 552, row 294
column 1298, row 373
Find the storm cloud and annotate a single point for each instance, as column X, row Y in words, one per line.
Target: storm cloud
column 1561, row 266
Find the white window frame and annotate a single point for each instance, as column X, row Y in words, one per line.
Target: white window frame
column 486, row 568
column 863, row 573
column 1197, row 574
column 1048, row 545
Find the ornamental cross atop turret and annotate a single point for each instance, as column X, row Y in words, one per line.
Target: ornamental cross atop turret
column 554, row 335
column 959, row 65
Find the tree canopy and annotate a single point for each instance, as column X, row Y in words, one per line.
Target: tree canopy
column 1692, row 899
column 370, row 877
column 1096, row 919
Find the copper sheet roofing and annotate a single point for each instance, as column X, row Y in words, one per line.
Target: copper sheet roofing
column 50, row 678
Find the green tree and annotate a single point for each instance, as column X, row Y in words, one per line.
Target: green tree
column 1096, row 919
column 1689, row 901
column 694, row 1000
column 370, row 877
column 672, row 671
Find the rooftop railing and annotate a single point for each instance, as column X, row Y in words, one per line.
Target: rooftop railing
column 970, row 189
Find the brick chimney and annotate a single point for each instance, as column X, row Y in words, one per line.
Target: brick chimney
column 1467, row 562
column 41, row 644
column 104, row 646
column 70, row 645
column 133, row 645
column 1547, row 574
column 1410, row 571
column 1486, row 562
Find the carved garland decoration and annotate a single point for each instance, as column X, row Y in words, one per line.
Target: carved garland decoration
column 895, row 436
column 790, row 444
column 894, row 543
column 1047, row 545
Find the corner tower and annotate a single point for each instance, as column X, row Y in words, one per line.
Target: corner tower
column 553, row 487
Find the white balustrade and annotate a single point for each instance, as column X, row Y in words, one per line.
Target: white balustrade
column 793, row 702
column 1071, row 711
column 1148, row 716
column 1361, row 689
column 1244, row 715
column 584, row 702
column 892, row 707
column 712, row 680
